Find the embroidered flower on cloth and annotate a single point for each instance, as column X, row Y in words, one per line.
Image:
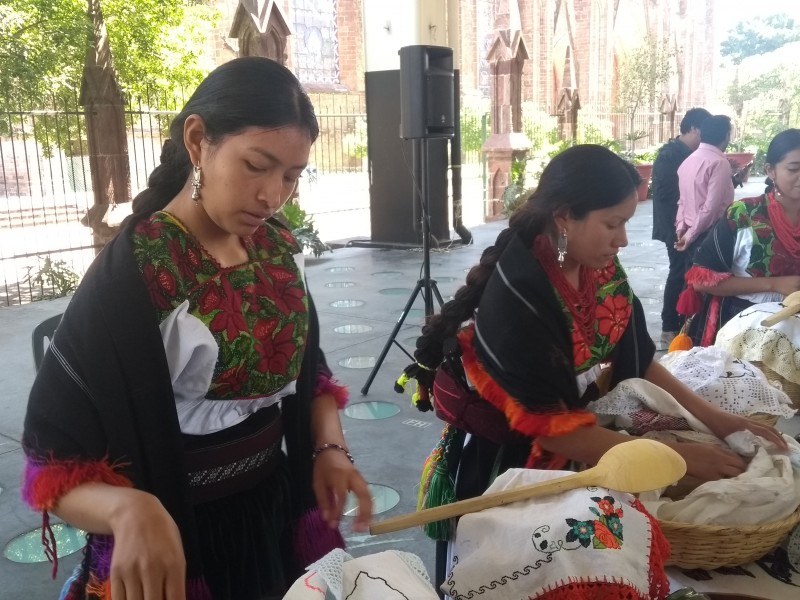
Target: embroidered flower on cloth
column 602, row 533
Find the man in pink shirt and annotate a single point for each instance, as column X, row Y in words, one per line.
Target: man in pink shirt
column 705, row 185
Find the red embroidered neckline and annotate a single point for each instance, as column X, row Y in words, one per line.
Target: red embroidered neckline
column 581, row 303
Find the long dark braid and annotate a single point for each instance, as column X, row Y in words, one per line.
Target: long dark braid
column 577, row 181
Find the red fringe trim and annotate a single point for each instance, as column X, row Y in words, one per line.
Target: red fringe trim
column 710, row 328
column 690, row 300
column 703, row 277
column 45, row 483
column 519, row 418
column 328, row 385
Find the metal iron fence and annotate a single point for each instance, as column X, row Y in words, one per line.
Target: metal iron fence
column 46, row 184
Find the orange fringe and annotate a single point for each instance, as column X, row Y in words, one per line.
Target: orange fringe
column 519, row 418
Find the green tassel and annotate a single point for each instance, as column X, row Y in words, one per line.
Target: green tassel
column 437, row 487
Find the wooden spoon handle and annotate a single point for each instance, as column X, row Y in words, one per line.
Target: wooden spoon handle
column 462, row 507
column 779, row 316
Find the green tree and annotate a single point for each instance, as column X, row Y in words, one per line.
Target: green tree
column 639, row 79
column 155, row 44
column 759, row 36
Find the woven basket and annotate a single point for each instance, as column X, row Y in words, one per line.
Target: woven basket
column 764, row 419
column 791, row 388
column 713, row 546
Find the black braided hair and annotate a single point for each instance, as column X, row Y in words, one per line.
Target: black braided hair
column 577, row 181
column 242, row 93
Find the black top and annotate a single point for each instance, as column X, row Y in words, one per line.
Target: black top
column 665, row 189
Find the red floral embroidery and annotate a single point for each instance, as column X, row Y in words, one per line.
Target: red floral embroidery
column 612, row 317
column 581, row 352
column 154, row 289
column 277, row 354
column 166, row 281
column 277, row 287
column 229, row 318
column 210, row 299
column 230, row 382
column 606, row 274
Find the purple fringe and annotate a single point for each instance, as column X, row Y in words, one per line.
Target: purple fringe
column 314, row 538
column 101, row 550
column 197, row 589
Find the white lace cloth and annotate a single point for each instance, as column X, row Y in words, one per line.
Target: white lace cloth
column 778, row 347
column 730, row 383
column 389, row 575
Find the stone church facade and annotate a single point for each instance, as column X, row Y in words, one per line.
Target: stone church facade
column 573, row 44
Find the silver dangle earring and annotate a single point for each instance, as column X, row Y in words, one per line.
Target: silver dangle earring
column 562, row 247
column 196, row 183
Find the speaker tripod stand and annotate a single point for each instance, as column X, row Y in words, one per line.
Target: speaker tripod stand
column 425, row 284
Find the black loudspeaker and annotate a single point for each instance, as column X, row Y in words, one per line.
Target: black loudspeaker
column 427, row 92
column 393, row 167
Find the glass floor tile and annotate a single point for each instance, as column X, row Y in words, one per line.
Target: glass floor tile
column 358, row 362
column 371, row 410
column 347, row 303
column 352, row 328
column 27, row 548
column 383, row 498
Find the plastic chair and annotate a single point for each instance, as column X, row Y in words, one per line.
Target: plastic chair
column 42, row 336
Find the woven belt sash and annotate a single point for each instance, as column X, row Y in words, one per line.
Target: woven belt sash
column 236, row 459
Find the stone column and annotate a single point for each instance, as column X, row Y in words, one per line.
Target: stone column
column 506, row 142
column 105, row 129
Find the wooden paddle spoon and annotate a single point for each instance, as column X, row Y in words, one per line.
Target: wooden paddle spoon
column 639, row 465
column 791, row 305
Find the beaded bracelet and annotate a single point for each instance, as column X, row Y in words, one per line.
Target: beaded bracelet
column 318, row 451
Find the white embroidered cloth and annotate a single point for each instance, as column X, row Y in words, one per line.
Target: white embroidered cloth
column 389, row 575
column 769, row 490
column 778, row 347
column 525, row 549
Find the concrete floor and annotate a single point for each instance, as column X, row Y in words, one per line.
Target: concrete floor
column 388, row 451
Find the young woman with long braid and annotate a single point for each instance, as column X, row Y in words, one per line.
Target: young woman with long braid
column 186, row 359
column 547, row 305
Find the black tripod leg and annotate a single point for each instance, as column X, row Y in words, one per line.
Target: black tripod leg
column 391, row 340
column 435, row 289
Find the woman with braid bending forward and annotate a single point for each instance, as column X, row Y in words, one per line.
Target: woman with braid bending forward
column 549, row 303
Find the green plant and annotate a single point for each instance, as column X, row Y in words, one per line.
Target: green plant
column 53, row 278
column 302, row 226
column 514, row 194
column 355, row 142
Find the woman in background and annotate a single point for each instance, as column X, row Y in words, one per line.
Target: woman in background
column 752, row 254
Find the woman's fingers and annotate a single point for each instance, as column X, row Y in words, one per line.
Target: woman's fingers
column 364, row 517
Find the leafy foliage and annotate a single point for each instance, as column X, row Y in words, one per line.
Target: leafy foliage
column 514, row 195
column 759, row 35
column 155, row 45
column 53, row 279
column 642, row 73
column 302, row 226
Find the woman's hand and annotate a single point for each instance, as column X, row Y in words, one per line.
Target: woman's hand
column 709, row 462
column 148, row 561
column 334, row 476
column 722, row 424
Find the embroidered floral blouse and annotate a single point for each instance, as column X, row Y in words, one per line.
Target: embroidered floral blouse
column 231, row 333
